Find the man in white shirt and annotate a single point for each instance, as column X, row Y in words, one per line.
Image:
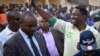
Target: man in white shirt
column 12, row 27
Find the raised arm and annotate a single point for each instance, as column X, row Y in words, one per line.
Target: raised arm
column 44, row 14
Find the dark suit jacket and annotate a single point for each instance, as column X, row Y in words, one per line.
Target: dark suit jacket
column 59, row 40
column 16, row 46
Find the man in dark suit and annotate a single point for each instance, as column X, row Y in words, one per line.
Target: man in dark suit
column 54, row 39
column 26, row 42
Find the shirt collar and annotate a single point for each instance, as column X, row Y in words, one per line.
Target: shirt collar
column 8, row 31
column 23, row 34
column 87, row 28
column 44, row 32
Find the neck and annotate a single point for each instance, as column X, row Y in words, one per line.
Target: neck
column 12, row 28
column 45, row 30
column 81, row 25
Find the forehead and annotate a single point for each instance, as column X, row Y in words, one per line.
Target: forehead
column 29, row 20
column 76, row 11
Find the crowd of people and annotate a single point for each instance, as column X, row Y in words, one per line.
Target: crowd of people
column 35, row 30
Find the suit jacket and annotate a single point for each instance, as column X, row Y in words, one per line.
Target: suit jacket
column 59, row 40
column 16, row 46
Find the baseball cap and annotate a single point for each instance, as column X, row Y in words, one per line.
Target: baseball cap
column 87, row 41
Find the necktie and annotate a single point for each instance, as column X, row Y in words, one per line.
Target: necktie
column 34, row 47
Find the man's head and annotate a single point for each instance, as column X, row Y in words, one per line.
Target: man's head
column 43, row 24
column 79, row 14
column 13, row 18
column 28, row 23
column 87, row 41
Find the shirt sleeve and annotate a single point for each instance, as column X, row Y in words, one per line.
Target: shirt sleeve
column 59, row 24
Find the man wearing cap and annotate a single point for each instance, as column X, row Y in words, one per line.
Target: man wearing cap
column 87, row 45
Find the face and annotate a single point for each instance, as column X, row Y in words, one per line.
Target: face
column 43, row 24
column 28, row 26
column 76, row 16
column 14, row 22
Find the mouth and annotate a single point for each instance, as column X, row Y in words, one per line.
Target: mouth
column 73, row 21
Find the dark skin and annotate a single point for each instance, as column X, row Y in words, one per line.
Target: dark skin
column 79, row 19
column 28, row 24
column 44, row 25
column 76, row 16
column 13, row 20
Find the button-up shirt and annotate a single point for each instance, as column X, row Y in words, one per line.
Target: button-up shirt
column 50, row 43
column 6, row 34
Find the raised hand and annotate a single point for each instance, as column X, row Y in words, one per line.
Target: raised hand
column 33, row 3
column 44, row 14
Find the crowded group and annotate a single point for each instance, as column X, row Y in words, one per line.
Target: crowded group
column 35, row 30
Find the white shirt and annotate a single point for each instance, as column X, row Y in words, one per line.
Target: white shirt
column 6, row 34
column 27, row 40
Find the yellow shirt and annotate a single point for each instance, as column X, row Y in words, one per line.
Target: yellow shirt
column 72, row 35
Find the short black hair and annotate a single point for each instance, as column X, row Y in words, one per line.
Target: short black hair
column 13, row 15
column 1, row 9
column 82, row 10
column 26, row 13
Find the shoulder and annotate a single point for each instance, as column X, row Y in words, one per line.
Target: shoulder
column 2, row 33
column 56, row 31
column 12, row 40
column 95, row 32
column 39, row 34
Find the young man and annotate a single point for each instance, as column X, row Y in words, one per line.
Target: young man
column 13, row 18
column 53, row 38
column 87, row 45
column 70, row 30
